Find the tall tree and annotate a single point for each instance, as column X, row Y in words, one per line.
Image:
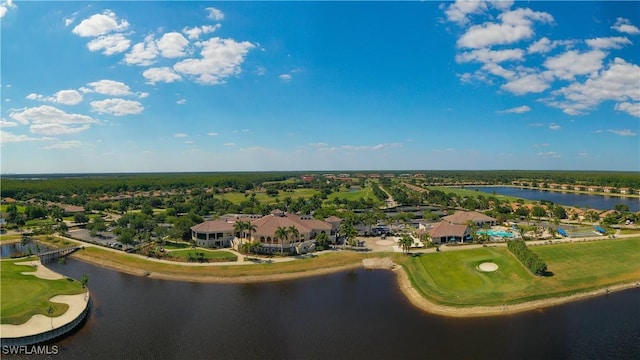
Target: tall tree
column 282, row 234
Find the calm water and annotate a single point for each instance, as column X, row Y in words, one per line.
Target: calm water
column 352, row 315
column 6, row 250
column 599, row 202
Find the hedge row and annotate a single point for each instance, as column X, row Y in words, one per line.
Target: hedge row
column 527, row 257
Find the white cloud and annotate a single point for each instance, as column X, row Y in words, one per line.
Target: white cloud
column 229, row 144
column 545, row 45
column 7, row 137
column 195, row 32
column 69, row 144
column 516, row 25
column 631, row 108
column 143, row 53
column 625, row 132
column 549, row 154
column 554, row 126
column 619, row 82
column 99, row 24
column 566, row 66
column 516, row 110
column 4, row 123
column 490, row 56
column 5, row 6
column 181, row 135
column 214, row 14
column 162, row 74
column 172, row 45
column 181, row 101
column 285, row 77
column 370, row 147
column 57, row 129
column 110, row 87
column 143, row 95
column 69, row 21
column 117, row 107
column 111, row 44
column 47, row 114
column 212, row 134
column 460, row 10
column 221, row 58
column 530, row 83
column 624, row 26
column 68, row 97
column 615, row 42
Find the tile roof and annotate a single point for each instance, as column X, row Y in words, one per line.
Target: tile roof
column 462, row 217
column 444, row 229
column 213, row 226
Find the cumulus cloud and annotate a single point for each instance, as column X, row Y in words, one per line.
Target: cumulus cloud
column 181, row 101
column 490, row 56
column 162, row 74
column 50, row 120
column 172, row 45
column 618, row 82
column 630, row 108
column 4, row 123
column 214, row 14
column 516, row 110
column 8, row 137
column 109, row 87
column 515, row 25
column 220, row 58
column 615, row 42
column 99, row 24
column 181, row 135
column 529, row 83
column 195, row 32
column 285, row 77
column 571, row 63
column 544, row 45
column 554, row 126
column 624, row 26
column 117, row 107
column 110, row 44
column 5, row 6
column 68, row 97
column 143, row 53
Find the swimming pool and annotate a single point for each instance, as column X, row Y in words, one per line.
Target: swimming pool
column 495, row 233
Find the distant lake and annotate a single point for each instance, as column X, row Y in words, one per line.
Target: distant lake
column 600, row 202
column 358, row 314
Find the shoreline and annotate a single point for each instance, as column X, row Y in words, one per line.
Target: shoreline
column 566, row 191
column 425, row 305
column 402, row 281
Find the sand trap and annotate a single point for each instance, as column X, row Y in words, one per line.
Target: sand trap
column 41, row 271
column 488, row 267
column 385, row 242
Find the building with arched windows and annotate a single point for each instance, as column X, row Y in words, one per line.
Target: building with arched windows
column 221, row 233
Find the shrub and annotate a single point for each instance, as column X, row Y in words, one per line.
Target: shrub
column 527, row 257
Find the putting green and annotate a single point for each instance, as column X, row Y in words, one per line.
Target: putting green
column 26, row 295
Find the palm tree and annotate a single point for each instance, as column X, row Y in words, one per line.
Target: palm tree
column 282, row 234
column 405, row 242
column 50, row 312
column 239, row 227
column 322, row 240
column 250, row 228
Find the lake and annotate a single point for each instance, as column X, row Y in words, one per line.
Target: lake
column 358, row 314
column 600, row 202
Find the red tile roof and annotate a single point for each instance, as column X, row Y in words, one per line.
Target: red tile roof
column 462, row 217
column 444, row 229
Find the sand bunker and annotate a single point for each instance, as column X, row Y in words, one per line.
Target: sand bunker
column 488, row 267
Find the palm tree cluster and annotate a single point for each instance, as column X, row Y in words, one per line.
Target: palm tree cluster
column 405, row 242
column 242, row 229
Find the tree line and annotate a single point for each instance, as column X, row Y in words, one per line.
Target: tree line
column 527, row 257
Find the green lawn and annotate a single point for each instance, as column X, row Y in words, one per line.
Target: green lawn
column 451, row 278
column 26, row 295
column 211, row 255
column 356, row 195
column 263, row 198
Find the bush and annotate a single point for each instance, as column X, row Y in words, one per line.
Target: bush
column 527, row 257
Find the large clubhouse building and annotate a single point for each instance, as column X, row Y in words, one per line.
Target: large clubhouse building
column 455, row 228
column 222, row 232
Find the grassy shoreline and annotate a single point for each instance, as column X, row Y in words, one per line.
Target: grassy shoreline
column 517, row 289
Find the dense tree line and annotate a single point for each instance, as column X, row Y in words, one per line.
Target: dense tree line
column 527, row 257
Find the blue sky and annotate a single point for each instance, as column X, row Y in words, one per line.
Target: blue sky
column 224, row 86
